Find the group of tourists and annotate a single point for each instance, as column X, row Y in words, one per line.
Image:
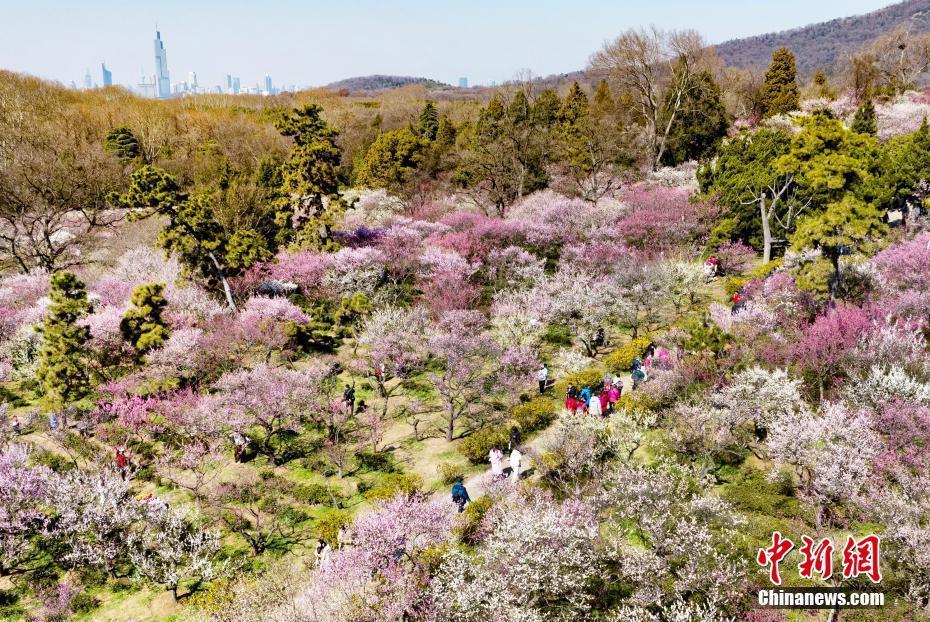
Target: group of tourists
column 600, row 401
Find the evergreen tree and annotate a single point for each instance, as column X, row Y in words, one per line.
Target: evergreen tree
column 122, row 143
column 192, row 231
column 780, row 90
column 310, row 176
column 546, row 109
column 700, row 124
column 62, row 371
column 392, row 161
column 864, row 121
column 446, row 132
column 143, row 325
column 429, row 122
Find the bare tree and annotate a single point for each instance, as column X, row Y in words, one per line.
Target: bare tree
column 899, row 58
column 656, row 68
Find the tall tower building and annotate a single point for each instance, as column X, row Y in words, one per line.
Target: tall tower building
column 269, row 87
column 463, row 83
column 192, row 79
column 235, row 86
column 107, row 75
column 88, row 81
column 162, row 81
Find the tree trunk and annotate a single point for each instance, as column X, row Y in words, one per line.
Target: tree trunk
column 451, row 428
column 766, row 230
column 222, row 277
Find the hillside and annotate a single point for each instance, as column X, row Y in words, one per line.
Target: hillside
column 380, row 83
column 821, row 45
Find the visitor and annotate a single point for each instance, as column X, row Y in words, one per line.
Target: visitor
column 348, row 396
column 342, row 537
column 594, row 406
column 613, row 396
column 605, row 400
column 599, row 340
column 515, row 458
column 361, row 408
column 496, row 456
column 240, row 442
column 543, row 376
column 585, row 397
column 122, row 462
column 514, row 438
column 460, row 495
column 322, row 555
column 16, row 427
column 710, row 268
column 638, row 376
column 52, row 422
column 571, row 398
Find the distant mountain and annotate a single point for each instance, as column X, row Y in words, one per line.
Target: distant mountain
column 820, row 46
column 381, row 83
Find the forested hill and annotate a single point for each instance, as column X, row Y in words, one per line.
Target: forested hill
column 820, row 46
column 379, row 82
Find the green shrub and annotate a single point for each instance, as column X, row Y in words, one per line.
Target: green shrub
column 592, row 377
column 733, row 284
column 471, row 518
column 765, row 270
column 558, row 335
column 449, row 473
column 313, row 494
column 394, row 484
column 83, row 603
column 372, row 461
column 328, row 526
column 620, row 361
column 477, row 446
column 535, row 414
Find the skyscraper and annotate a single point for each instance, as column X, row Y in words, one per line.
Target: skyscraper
column 192, row 79
column 107, row 75
column 227, row 85
column 162, row 82
column 269, row 87
column 88, row 81
column 235, row 86
column 463, row 83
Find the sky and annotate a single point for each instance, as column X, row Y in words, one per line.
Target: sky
column 315, row 42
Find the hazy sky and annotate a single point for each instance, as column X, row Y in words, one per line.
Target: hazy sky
column 314, row 42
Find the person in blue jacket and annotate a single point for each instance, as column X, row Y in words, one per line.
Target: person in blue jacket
column 460, row 495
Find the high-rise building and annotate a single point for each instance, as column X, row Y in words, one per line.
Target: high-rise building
column 162, row 81
column 192, row 80
column 463, row 83
column 88, row 81
column 235, row 86
column 227, row 85
column 107, row 75
column 269, row 87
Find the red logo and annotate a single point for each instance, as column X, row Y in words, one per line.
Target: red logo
column 860, row 557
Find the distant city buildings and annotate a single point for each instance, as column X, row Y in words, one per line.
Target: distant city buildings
column 463, row 83
column 158, row 85
column 162, row 80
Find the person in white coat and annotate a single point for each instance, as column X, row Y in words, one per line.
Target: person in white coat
column 515, row 458
column 594, row 406
column 496, row 456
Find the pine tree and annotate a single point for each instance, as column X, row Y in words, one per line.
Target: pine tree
column 864, row 121
column 122, row 143
column 700, row 124
column 62, row 371
column 311, row 178
column 780, row 93
column 143, row 325
column 429, row 122
column 446, row 132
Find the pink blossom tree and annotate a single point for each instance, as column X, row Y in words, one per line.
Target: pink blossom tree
column 274, row 399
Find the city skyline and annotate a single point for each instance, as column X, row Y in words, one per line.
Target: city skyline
column 57, row 40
